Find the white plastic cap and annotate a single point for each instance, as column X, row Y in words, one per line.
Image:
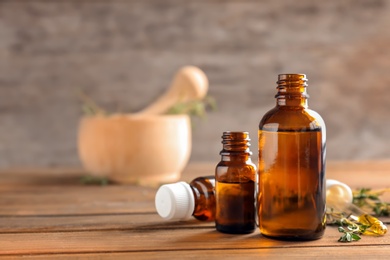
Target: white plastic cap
column 338, row 195
column 175, row 201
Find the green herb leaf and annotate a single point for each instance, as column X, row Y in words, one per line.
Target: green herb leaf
column 348, row 236
column 93, row 180
column 197, row 108
column 355, row 237
column 369, row 200
column 89, row 107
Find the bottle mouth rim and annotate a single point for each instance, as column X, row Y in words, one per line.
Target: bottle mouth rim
column 236, row 136
column 300, row 76
column 235, row 132
column 291, row 80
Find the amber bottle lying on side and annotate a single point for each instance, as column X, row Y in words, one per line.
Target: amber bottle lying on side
column 180, row 201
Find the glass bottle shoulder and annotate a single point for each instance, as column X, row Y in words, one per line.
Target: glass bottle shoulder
column 231, row 171
column 291, row 119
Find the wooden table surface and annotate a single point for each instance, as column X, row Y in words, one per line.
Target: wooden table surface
column 49, row 214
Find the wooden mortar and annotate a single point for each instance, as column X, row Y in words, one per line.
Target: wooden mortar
column 146, row 150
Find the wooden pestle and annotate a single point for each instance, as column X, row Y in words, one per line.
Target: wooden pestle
column 189, row 83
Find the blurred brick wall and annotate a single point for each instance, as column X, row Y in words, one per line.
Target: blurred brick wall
column 123, row 54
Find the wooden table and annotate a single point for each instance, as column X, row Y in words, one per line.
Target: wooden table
column 50, row 214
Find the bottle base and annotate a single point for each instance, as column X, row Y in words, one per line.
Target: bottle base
column 235, row 229
column 293, row 235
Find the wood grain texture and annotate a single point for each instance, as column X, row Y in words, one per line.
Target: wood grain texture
column 57, row 217
column 161, row 240
column 366, row 252
column 77, row 200
column 124, row 53
column 94, row 222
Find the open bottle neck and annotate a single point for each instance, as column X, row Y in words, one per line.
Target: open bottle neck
column 292, row 90
column 235, row 146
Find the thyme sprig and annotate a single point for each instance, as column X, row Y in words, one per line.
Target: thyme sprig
column 94, row 180
column 351, row 229
column 89, row 106
column 370, row 201
column 349, row 235
column 194, row 108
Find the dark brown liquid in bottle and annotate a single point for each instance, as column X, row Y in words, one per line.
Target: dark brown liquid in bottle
column 235, row 186
column 204, row 194
column 236, row 207
column 291, row 188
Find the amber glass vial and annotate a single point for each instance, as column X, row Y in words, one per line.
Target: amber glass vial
column 291, row 170
column 235, row 185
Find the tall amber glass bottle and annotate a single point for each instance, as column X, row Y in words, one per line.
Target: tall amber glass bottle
column 235, row 185
column 291, row 174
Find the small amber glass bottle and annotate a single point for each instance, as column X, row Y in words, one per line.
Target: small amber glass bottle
column 235, row 185
column 180, row 201
column 291, row 181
